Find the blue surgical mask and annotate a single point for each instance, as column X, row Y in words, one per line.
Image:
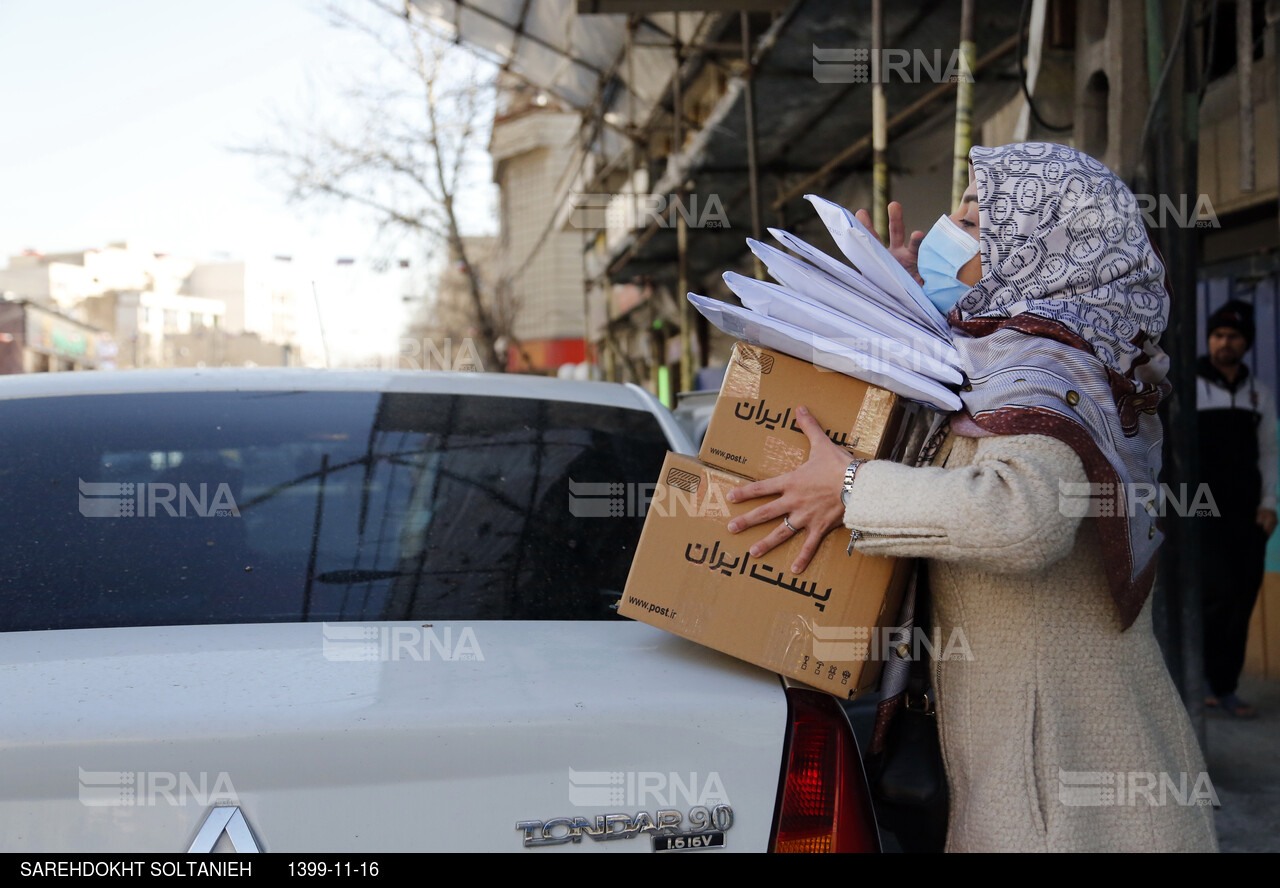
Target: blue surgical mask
column 944, row 251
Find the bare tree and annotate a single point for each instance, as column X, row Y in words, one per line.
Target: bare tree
column 404, row 148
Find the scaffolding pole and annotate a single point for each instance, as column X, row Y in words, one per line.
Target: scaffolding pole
column 879, row 128
column 753, row 169
column 964, row 104
column 682, row 233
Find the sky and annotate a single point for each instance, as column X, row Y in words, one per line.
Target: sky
column 118, row 124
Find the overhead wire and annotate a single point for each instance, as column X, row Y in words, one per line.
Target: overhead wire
column 1022, row 75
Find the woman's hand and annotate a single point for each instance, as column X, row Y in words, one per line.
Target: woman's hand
column 809, row 500
column 906, row 252
column 1267, row 521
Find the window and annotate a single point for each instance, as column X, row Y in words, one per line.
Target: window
column 171, row 509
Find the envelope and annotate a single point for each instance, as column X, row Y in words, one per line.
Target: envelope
column 866, row 252
column 856, row 281
column 816, row 286
column 742, row 323
column 920, row 353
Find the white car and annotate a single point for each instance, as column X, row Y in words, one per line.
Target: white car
column 319, row 611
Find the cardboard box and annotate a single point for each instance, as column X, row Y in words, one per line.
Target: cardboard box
column 753, row 431
column 692, row 577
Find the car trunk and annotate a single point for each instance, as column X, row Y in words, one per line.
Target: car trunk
column 371, row 737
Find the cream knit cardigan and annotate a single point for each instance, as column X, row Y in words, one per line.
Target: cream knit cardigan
column 1042, row 684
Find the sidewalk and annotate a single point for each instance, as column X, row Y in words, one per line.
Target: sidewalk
column 1244, row 764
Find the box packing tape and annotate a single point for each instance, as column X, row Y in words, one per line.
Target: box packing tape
column 742, row 379
column 877, row 404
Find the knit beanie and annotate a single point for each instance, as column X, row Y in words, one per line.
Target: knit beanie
column 1237, row 316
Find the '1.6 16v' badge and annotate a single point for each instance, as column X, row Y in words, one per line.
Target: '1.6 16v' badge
column 705, row 828
column 689, row 841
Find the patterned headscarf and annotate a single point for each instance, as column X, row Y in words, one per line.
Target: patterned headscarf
column 1062, row 334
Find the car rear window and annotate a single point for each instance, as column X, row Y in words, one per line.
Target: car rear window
column 232, row 507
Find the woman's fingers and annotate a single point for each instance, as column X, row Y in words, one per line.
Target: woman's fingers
column 897, row 230
column 809, row 497
column 865, row 218
column 811, row 535
column 774, row 509
column 776, row 537
column 812, row 429
column 821, row 447
column 807, row 551
column 903, row 250
column 757, row 489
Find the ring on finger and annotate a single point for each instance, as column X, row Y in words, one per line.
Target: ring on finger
column 788, row 523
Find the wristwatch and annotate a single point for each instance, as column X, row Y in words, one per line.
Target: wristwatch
column 849, row 475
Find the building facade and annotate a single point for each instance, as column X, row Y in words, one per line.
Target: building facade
column 539, row 263
column 159, row 310
column 36, row 339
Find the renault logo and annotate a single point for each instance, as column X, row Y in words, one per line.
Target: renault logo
column 228, row 819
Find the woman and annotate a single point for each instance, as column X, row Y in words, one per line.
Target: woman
column 1064, row 730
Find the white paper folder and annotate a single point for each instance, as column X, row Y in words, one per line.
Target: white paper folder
column 865, row 251
column 790, row 339
column 898, row 343
column 814, row 284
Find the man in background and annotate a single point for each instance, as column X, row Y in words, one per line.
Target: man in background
column 1238, row 460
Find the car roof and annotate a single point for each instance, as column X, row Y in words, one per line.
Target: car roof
column 221, row 379
column 289, row 379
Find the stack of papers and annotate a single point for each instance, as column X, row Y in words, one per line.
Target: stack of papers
column 871, row 321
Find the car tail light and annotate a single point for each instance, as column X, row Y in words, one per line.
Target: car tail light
column 823, row 801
